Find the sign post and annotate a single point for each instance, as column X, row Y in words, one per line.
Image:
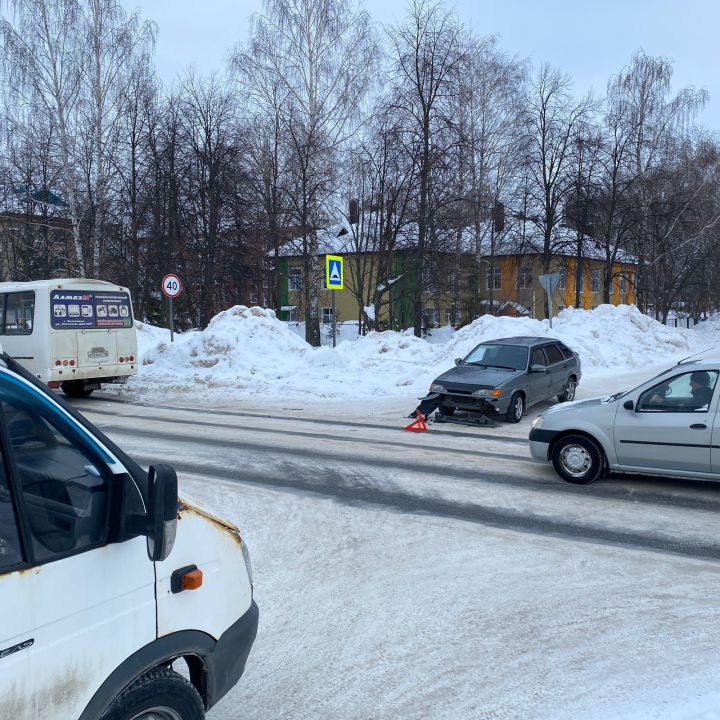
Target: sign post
column 171, row 287
column 334, row 280
column 549, row 284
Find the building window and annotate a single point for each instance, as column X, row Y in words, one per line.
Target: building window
column 524, row 278
column 253, row 299
column 327, row 315
column 622, row 283
column 493, row 279
column 595, row 281
column 562, row 283
column 294, row 315
column 432, row 317
column 294, row 279
column 580, row 280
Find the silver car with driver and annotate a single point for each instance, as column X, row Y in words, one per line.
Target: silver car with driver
column 666, row 426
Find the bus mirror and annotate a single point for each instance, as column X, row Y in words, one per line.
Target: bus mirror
column 162, row 511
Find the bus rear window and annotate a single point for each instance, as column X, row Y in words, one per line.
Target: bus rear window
column 19, row 313
column 79, row 309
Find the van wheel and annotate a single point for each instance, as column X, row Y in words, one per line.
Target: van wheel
column 578, row 459
column 516, row 410
column 160, row 694
column 75, row 389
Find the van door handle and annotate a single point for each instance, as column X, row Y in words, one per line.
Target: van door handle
column 699, row 426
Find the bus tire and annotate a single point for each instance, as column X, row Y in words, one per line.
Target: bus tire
column 75, row 389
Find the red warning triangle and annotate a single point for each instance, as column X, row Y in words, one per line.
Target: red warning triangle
column 417, row 425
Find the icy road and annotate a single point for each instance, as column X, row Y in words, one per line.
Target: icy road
column 444, row 575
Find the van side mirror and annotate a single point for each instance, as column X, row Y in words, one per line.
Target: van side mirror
column 162, row 511
column 629, row 405
column 538, row 369
column 458, row 361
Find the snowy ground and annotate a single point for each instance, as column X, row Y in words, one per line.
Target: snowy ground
column 444, row 575
column 436, row 576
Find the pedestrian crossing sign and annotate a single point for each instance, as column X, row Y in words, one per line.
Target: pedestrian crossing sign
column 334, row 279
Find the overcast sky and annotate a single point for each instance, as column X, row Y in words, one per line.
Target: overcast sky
column 589, row 39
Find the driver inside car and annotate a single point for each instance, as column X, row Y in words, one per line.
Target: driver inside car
column 700, row 394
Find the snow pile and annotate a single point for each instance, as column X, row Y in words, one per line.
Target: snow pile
column 608, row 337
column 248, row 352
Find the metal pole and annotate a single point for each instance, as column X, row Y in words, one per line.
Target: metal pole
column 334, row 325
column 170, row 318
column 550, row 305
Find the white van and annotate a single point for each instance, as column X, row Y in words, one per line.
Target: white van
column 71, row 333
column 108, row 584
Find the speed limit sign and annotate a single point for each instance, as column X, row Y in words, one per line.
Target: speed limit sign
column 171, row 286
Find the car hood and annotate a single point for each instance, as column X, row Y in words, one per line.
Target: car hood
column 577, row 405
column 476, row 376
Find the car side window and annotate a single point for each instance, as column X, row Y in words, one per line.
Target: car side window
column 688, row 392
column 538, row 357
column 553, row 354
column 10, row 554
column 567, row 353
column 64, row 489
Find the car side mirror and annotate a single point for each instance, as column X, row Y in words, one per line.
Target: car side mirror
column 458, row 361
column 538, row 369
column 629, row 405
column 162, row 511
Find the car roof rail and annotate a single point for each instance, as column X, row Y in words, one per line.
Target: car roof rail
column 689, row 358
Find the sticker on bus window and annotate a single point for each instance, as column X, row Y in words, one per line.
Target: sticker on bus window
column 113, row 310
column 78, row 310
column 67, row 309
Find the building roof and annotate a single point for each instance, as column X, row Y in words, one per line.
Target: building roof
column 341, row 239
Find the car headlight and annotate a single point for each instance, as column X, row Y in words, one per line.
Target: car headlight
column 487, row 392
column 538, row 421
column 436, row 387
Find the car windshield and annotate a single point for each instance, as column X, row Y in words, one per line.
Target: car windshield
column 510, row 357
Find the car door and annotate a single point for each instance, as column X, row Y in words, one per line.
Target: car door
column 538, row 382
column 667, row 428
column 73, row 606
column 557, row 368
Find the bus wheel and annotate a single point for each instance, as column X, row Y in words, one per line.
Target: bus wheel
column 75, row 389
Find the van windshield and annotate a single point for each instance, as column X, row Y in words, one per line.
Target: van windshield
column 80, row 309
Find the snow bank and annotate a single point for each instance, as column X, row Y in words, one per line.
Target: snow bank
column 248, row 352
column 608, row 337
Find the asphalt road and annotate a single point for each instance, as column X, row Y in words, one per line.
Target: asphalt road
column 481, row 475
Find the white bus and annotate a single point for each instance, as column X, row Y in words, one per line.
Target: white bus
column 70, row 333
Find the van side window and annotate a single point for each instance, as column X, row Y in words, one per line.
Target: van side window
column 19, row 313
column 64, row 490
column 10, row 554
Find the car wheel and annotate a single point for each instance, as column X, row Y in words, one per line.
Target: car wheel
column 160, row 694
column 516, row 410
column 568, row 393
column 75, row 389
column 578, row 459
